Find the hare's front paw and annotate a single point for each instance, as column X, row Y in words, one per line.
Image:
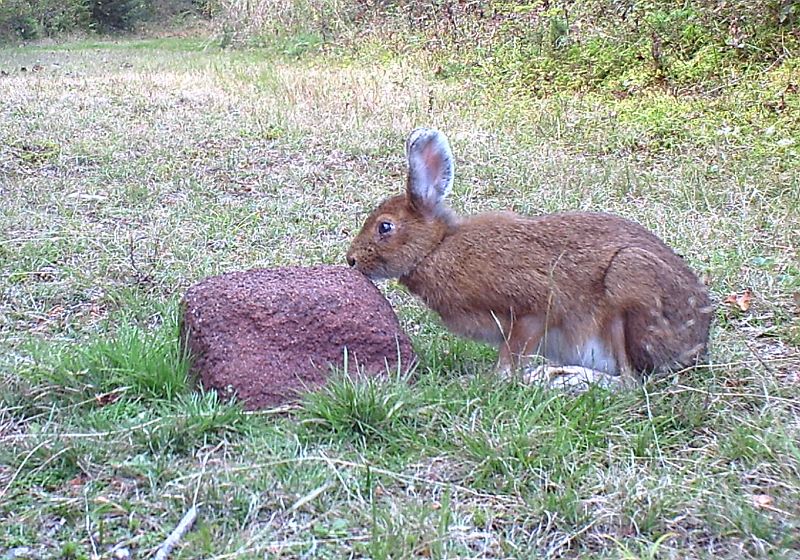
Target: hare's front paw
column 574, row 379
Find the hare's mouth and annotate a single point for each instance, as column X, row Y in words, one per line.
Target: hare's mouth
column 371, row 268
column 375, row 273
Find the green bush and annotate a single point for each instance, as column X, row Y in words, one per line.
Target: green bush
column 31, row 19
column 542, row 46
column 34, row 19
column 600, row 44
column 172, row 8
column 120, row 14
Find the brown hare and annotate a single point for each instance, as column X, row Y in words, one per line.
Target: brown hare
column 582, row 289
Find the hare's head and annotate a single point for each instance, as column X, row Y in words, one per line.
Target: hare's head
column 404, row 229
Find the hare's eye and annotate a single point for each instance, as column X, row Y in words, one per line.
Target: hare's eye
column 385, row 227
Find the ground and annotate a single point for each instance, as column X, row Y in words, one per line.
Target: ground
column 130, row 170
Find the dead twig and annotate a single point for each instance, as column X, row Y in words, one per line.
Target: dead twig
column 177, row 534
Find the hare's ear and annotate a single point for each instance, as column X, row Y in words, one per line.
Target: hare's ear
column 430, row 169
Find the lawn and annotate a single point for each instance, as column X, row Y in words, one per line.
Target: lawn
column 130, row 170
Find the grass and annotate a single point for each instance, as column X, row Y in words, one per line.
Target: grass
column 131, row 170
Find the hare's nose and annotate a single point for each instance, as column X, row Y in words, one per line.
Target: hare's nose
column 351, row 261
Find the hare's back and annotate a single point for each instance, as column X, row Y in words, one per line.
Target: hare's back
column 503, row 258
column 573, row 242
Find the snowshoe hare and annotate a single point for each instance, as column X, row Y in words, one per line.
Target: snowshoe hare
column 583, row 289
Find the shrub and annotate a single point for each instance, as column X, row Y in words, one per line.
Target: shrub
column 120, row 14
column 31, row 19
column 250, row 21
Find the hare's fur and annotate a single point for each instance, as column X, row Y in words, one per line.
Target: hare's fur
column 581, row 289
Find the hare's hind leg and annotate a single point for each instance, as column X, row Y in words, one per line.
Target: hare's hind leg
column 573, row 379
column 616, row 338
column 655, row 305
column 524, row 337
column 521, row 338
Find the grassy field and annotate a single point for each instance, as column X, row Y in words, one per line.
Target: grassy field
column 130, row 170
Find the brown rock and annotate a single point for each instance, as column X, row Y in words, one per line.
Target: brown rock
column 267, row 335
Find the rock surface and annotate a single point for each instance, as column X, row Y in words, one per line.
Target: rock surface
column 267, row 335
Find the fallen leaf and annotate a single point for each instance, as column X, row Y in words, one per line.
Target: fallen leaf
column 796, row 298
column 741, row 300
column 735, row 382
column 106, row 398
column 77, row 481
column 762, row 501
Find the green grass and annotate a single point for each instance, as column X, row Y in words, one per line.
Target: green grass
column 130, row 170
column 176, row 44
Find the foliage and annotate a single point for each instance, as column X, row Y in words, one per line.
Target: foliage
column 29, row 19
column 623, row 46
column 33, row 19
column 241, row 21
column 120, row 14
column 544, row 46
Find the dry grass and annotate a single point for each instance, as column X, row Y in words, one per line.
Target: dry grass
column 129, row 171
